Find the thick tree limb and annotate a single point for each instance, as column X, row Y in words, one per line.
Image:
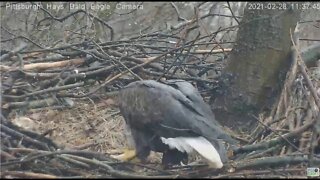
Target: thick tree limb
column 272, row 161
column 44, row 66
column 23, row 174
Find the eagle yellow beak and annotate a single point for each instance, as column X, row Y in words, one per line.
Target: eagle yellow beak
column 127, row 155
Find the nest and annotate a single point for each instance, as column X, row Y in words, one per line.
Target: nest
column 68, row 138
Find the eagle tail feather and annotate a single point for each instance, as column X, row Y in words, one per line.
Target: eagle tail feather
column 199, row 144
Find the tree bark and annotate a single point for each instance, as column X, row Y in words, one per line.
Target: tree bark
column 258, row 62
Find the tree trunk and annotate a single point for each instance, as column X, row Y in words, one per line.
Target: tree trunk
column 258, row 63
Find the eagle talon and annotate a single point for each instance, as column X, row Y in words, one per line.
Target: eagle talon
column 127, row 155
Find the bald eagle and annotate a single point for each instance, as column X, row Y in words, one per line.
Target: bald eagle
column 172, row 118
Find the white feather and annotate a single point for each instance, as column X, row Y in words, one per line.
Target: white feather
column 177, row 143
column 199, row 144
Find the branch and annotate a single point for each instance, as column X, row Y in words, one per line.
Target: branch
column 178, row 12
column 232, row 13
column 150, row 60
column 14, row 52
column 31, row 104
column 23, row 136
column 271, row 161
column 44, row 66
column 22, row 174
column 275, row 141
column 46, row 91
column 305, row 74
column 311, row 54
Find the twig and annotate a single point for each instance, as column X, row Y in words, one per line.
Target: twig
column 138, row 60
column 271, row 161
column 235, row 18
column 121, row 174
column 263, row 152
column 150, row 60
column 44, row 66
column 285, row 139
column 177, row 77
column 119, row 62
column 14, row 52
column 17, row 37
column 275, row 141
column 178, row 12
column 46, row 90
column 6, row 155
column 70, row 159
column 23, row 136
column 73, row 13
column 23, row 174
column 31, row 104
column 257, row 172
column 305, row 74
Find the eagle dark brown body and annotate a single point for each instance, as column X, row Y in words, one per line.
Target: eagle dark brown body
column 154, row 110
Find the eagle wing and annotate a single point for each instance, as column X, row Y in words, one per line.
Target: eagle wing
column 168, row 112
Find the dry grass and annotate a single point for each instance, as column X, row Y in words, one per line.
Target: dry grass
column 95, row 126
column 87, row 122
